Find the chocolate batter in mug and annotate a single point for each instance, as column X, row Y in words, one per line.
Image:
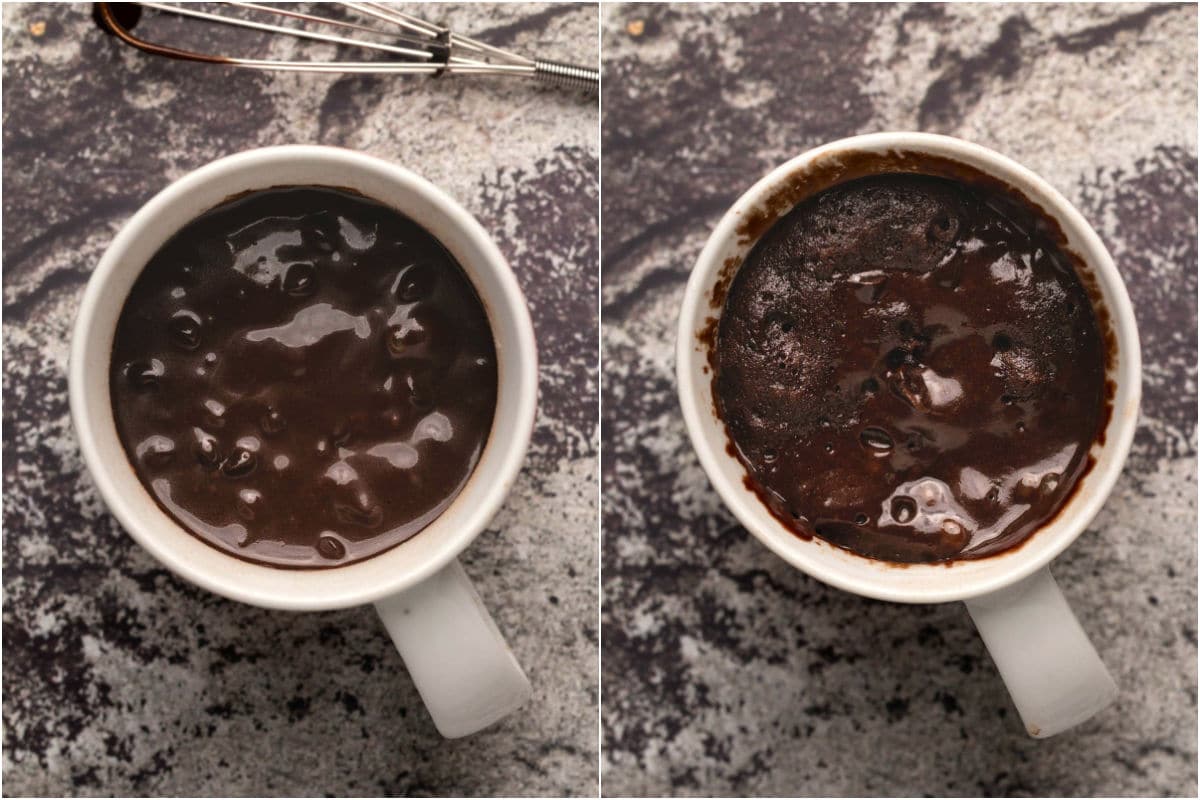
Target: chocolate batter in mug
column 303, row 377
column 910, row 368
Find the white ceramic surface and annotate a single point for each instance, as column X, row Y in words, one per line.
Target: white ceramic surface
column 406, row 566
column 921, row 583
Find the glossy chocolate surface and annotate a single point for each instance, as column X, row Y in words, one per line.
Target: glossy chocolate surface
column 303, row 377
column 910, row 368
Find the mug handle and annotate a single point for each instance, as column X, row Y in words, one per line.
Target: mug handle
column 1051, row 669
column 456, row 655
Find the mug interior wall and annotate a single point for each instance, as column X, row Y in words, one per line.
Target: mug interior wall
column 289, row 588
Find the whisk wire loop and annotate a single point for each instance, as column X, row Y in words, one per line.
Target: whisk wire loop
column 412, row 46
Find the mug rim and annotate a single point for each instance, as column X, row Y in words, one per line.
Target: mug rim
column 894, row 581
column 387, row 572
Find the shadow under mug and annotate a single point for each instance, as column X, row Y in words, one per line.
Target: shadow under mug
column 1053, row 673
column 458, row 660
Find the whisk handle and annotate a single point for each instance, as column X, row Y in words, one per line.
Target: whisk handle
column 567, row 75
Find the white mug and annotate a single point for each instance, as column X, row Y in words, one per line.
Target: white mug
column 458, row 659
column 1053, row 673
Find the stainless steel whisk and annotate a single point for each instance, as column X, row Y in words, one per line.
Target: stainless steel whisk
column 413, row 45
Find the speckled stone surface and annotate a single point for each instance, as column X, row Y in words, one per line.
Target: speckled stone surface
column 120, row 678
column 727, row 672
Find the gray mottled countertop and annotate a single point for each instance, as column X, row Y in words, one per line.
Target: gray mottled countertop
column 727, row 672
column 120, row 678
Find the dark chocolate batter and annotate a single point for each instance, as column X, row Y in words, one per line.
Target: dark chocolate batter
column 303, row 377
column 910, row 369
